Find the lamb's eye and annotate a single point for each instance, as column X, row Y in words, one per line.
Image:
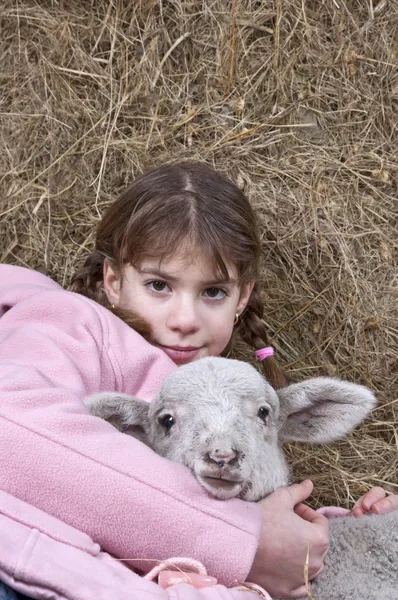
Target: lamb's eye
column 167, row 421
column 263, row 413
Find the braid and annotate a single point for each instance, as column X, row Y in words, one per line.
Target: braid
column 87, row 280
column 253, row 331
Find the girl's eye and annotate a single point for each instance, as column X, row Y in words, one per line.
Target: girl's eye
column 263, row 413
column 167, row 421
column 156, row 286
column 215, row 293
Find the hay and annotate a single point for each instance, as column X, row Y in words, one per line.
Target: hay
column 296, row 101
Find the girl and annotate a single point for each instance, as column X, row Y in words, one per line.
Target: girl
column 176, row 258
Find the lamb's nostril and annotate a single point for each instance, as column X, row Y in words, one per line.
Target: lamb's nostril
column 223, row 457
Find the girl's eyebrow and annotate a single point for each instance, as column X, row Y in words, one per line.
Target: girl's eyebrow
column 173, row 279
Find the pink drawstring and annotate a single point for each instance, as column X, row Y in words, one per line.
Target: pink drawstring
column 171, row 572
column 181, row 570
column 179, row 563
column 264, row 352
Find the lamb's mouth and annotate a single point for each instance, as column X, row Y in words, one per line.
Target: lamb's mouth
column 219, row 482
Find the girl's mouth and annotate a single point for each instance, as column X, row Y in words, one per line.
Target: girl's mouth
column 180, row 354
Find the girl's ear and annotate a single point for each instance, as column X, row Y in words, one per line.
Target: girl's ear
column 112, row 283
column 245, row 296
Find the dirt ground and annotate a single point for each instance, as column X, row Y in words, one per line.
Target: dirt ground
column 296, row 100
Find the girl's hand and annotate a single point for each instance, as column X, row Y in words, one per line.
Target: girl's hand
column 289, row 530
column 375, row 501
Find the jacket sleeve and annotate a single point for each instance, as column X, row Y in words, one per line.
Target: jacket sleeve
column 42, row 557
column 55, row 348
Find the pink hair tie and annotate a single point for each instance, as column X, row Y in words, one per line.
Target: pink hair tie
column 264, row 352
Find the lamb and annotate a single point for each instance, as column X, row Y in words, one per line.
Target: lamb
column 224, row 421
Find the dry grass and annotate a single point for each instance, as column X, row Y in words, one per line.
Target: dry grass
column 296, row 100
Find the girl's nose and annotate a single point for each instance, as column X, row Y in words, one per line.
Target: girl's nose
column 183, row 316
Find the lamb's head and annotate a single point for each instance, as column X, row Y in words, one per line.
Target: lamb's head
column 220, row 418
column 223, row 420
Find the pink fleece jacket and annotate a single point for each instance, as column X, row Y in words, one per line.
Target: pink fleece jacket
column 55, row 348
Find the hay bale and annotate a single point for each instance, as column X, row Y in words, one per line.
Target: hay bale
column 295, row 101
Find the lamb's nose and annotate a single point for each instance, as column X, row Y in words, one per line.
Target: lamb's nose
column 222, row 457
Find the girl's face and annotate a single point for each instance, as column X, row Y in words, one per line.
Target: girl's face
column 191, row 312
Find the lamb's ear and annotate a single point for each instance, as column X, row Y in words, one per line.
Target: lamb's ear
column 126, row 413
column 322, row 409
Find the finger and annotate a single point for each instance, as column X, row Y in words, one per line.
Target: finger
column 301, row 591
column 373, row 495
column 314, row 572
column 312, row 516
column 366, row 501
column 385, row 505
column 357, row 512
column 298, row 492
column 324, row 556
column 315, row 575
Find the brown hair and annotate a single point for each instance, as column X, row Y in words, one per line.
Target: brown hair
column 187, row 201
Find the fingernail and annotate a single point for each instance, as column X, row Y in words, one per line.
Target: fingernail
column 169, row 578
